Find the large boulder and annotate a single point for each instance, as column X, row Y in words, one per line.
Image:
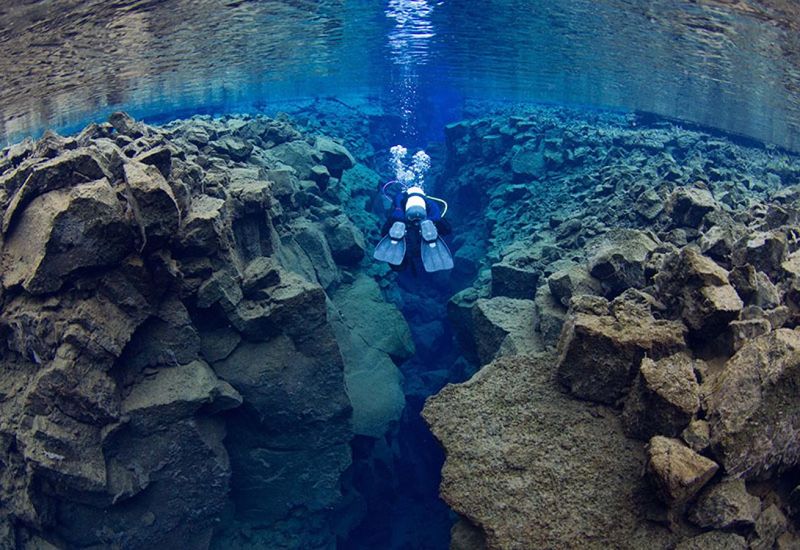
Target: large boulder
column 173, row 393
column 371, row 334
column 152, row 201
column 336, row 158
column 688, row 206
column 503, row 326
column 677, row 471
column 753, row 409
column 63, row 232
column 618, row 259
column 698, row 290
column 726, row 505
column 600, row 354
column 663, row 399
column 533, row 468
column 62, row 172
column 550, row 316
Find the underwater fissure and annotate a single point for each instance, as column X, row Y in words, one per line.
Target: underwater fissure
column 199, row 350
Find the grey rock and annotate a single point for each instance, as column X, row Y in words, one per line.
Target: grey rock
column 153, row 202
column 513, row 281
column 334, row 156
column 744, row 331
column 697, row 435
column 522, row 456
column 259, row 274
column 62, row 172
column 649, row 204
column 571, row 281
column 766, row 251
column 770, row 525
column 503, row 326
column 550, row 316
column 726, row 505
column 124, row 124
column 346, row 241
column 689, row 205
column 714, row 540
column 617, row 259
column 204, row 230
column 235, row 148
column 175, row 393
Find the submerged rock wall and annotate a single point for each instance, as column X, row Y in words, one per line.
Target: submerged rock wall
column 633, row 303
column 186, row 337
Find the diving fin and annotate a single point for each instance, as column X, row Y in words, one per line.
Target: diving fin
column 392, row 248
column 435, row 254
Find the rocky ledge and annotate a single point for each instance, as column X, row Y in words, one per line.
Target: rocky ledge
column 187, row 336
column 637, row 317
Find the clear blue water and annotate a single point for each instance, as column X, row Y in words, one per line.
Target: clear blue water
column 729, row 65
column 733, row 67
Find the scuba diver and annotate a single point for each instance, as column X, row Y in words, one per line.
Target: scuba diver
column 416, row 221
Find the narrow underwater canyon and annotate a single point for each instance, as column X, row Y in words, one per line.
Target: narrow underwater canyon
column 198, row 349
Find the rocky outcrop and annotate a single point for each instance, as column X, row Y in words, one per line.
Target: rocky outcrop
column 670, row 288
column 754, row 390
column 177, row 340
column 599, row 352
column 548, row 471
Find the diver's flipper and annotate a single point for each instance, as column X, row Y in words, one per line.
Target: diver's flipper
column 435, row 254
column 392, row 248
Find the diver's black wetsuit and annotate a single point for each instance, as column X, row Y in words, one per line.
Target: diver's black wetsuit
column 413, row 238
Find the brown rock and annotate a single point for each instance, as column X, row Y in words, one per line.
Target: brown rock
column 664, row 398
column 678, row 472
column 599, row 354
column 753, row 408
column 65, row 231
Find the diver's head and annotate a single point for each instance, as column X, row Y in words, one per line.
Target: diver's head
column 415, row 204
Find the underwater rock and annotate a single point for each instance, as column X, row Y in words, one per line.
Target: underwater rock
column 663, row 399
column 503, row 326
column 599, row 354
column 335, row 157
column 512, row 281
column 174, row 393
column 770, row 525
column 699, row 290
column 152, row 201
column 766, row 251
column 125, row 125
column 752, row 391
column 372, row 335
column 346, row 241
column 617, row 259
column 688, row 206
column 550, row 316
column 725, row 505
column 235, row 148
column 677, row 471
column 64, row 171
column 125, row 368
column 65, row 231
column 714, row 540
column 203, row 231
column 533, row 468
column 571, row 281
